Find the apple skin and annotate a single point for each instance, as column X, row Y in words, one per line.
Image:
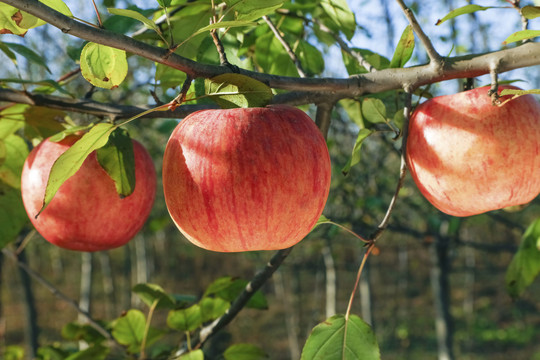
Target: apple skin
column 86, row 214
column 246, row 179
column 468, row 156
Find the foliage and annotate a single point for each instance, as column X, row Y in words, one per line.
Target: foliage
column 237, row 53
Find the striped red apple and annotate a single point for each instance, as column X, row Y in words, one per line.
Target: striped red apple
column 246, row 178
column 86, row 214
column 468, row 156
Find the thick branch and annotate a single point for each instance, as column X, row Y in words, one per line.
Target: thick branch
column 93, row 107
column 384, row 80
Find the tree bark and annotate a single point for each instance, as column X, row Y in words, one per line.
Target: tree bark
column 85, row 290
column 330, row 271
column 440, row 284
column 31, row 331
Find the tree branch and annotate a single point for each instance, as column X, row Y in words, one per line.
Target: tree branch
column 91, row 107
column 384, row 80
column 60, row 295
column 240, row 302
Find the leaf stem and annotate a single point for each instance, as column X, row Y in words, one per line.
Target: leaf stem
column 351, row 298
column 147, row 328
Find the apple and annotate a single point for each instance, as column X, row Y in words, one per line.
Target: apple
column 246, row 179
column 86, row 214
column 468, row 156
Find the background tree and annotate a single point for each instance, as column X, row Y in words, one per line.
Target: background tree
column 69, row 64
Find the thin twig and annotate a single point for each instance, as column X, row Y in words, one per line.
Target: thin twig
column 286, row 46
column 179, row 100
column 353, row 292
column 240, row 302
column 402, row 169
column 343, row 45
column 433, row 55
column 36, row 276
column 97, row 14
column 384, row 223
column 524, row 21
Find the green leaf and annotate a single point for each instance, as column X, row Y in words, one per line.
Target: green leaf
column 12, row 119
column 135, row 15
column 467, row 9
column 96, row 352
column 310, row 57
column 42, row 122
column 244, row 352
column 185, row 319
column 13, row 152
column 353, row 67
column 322, row 220
column 193, row 355
column 150, row 293
column 249, row 10
column 129, row 329
column 229, row 288
column 374, row 110
column 354, row 111
column 355, row 157
column 103, row 66
column 70, row 161
column 75, row 331
column 10, row 54
column 118, row 160
column 45, row 83
column 525, row 265
column 52, row 352
column 29, row 54
column 235, row 90
column 530, row 12
column 341, row 14
column 164, row 3
column 12, row 214
column 404, row 49
column 521, row 35
column 220, row 25
column 10, row 18
column 14, row 352
column 340, row 339
column 213, row 308
column 14, row 21
column 169, row 78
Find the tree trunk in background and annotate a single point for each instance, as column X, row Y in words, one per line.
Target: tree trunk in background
column 330, row 272
column 403, row 282
column 284, row 292
column 468, row 301
column 141, row 266
column 30, row 313
column 365, row 296
column 86, row 289
column 440, row 285
column 108, row 283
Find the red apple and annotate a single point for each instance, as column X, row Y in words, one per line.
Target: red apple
column 86, row 214
column 246, row 179
column 468, row 156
